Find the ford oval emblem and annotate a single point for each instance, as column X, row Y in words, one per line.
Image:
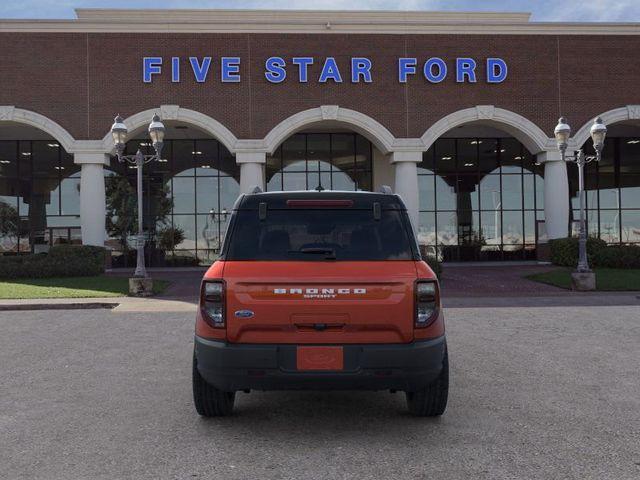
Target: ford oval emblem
column 244, row 313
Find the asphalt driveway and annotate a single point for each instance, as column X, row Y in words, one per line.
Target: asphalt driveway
column 550, row 392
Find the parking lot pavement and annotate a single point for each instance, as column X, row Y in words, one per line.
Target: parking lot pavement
column 550, row 392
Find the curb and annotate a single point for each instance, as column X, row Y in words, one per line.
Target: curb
column 57, row 306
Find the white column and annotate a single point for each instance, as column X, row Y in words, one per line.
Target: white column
column 406, row 181
column 251, row 170
column 556, row 194
column 92, row 197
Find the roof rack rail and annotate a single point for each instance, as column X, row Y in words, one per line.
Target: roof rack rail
column 255, row 189
column 386, row 189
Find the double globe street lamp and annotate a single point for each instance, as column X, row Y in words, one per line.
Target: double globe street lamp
column 119, row 133
column 583, row 278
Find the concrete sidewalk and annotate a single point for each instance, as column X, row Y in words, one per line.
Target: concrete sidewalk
column 118, row 304
column 180, row 304
column 463, row 286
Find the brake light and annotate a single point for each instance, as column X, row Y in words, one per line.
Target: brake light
column 427, row 303
column 320, row 203
column 212, row 302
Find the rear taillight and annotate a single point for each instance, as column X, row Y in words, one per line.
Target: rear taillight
column 212, row 303
column 427, row 303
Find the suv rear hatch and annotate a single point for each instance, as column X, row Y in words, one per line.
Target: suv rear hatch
column 320, row 270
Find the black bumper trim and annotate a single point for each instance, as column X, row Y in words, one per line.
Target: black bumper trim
column 232, row 367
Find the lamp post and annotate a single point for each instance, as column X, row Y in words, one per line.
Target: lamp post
column 598, row 133
column 210, row 232
column 119, row 133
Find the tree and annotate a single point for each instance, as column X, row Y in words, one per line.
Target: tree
column 169, row 237
column 122, row 209
column 9, row 221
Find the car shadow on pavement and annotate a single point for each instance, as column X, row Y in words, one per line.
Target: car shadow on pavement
column 319, row 412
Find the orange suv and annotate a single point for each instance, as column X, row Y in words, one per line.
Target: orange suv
column 320, row 290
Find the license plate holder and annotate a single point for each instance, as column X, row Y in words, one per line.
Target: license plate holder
column 324, row 358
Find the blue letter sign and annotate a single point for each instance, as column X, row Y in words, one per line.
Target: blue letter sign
column 442, row 70
column 303, row 66
column 434, row 69
column 230, row 69
column 496, row 70
column 330, row 71
column 465, row 67
column 275, row 69
column 406, row 66
column 360, row 67
column 151, row 66
column 200, row 71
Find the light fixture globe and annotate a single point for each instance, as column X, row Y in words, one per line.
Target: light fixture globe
column 119, row 133
column 156, row 130
column 598, row 134
column 562, row 133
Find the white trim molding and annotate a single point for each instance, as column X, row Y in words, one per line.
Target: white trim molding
column 629, row 112
column 10, row 113
column 529, row 134
column 179, row 114
column 373, row 130
column 310, row 21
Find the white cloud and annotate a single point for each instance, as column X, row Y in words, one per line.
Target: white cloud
column 600, row 11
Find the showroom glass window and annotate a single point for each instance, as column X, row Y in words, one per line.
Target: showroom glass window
column 480, row 199
column 332, row 161
column 612, row 191
column 202, row 179
column 39, row 196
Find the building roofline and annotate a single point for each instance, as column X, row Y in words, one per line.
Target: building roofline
column 311, row 22
column 262, row 16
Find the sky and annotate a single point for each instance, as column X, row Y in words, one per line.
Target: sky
column 542, row 10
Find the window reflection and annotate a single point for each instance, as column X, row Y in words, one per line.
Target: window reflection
column 612, row 191
column 201, row 179
column 477, row 202
column 39, row 196
column 332, row 161
column 630, row 223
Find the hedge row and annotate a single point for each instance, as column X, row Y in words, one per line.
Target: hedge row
column 564, row 252
column 60, row 261
column 618, row 256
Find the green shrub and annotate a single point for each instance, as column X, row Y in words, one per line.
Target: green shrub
column 564, row 251
column 618, row 256
column 169, row 237
column 181, row 261
column 61, row 261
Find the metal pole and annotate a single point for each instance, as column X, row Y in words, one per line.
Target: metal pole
column 583, row 262
column 140, row 268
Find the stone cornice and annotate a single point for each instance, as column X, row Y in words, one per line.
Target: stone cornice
column 297, row 21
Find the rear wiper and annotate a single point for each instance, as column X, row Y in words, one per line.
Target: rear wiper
column 330, row 254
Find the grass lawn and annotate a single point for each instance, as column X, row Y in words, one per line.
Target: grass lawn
column 71, row 287
column 607, row 279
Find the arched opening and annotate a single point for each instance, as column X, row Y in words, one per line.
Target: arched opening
column 328, row 148
column 481, row 195
column 187, row 197
column 612, row 186
column 322, row 158
column 39, row 190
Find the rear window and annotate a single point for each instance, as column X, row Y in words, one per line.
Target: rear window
column 321, row 234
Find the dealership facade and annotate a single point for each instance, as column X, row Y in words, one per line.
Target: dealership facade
column 455, row 111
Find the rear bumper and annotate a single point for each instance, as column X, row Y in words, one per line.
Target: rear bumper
column 232, row 367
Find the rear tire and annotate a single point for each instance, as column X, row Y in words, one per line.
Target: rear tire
column 431, row 401
column 208, row 400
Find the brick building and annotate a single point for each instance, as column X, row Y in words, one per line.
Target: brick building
column 455, row 111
